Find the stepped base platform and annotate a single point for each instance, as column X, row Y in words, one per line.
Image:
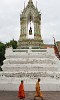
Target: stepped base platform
column 29, row 65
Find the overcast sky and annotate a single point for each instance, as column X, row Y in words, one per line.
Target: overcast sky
column 10, row 19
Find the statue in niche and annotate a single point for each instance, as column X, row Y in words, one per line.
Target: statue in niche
column 30, row 30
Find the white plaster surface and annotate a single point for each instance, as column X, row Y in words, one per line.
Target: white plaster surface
column 28, row 66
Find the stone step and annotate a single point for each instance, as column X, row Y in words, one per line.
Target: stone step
column 22, row 54
column 30, row 61
column 27, row 69
column 31, row 65
column 31, row 74
column 30, row 56
column 29, row 85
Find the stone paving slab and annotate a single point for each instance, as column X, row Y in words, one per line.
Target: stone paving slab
column 13, row 95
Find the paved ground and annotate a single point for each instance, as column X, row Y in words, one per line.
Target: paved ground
column 10, row 95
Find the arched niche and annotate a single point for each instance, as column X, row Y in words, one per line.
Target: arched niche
column 30, row 23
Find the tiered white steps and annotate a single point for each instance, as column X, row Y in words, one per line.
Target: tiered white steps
column 30, row 64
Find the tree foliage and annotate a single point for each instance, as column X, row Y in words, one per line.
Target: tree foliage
column 2, row 53
column 13, row 43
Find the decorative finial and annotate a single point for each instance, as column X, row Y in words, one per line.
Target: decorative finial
column 24, row 4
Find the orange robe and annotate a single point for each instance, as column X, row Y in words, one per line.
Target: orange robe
column 21, row 93
column 38, row 91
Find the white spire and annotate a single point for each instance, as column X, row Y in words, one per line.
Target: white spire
column 36, row 4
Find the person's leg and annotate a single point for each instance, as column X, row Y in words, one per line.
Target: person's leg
column 42, row 98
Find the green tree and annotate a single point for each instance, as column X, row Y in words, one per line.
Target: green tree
column 2, row 53
column 7, row 44
column 13, row 43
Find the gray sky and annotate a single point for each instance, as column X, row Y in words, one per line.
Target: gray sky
column 10, row 19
